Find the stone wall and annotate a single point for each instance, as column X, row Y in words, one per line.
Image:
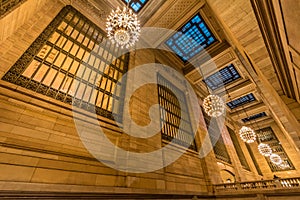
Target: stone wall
column 40, row 146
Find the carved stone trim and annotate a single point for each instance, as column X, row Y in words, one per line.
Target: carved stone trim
column 8, row 6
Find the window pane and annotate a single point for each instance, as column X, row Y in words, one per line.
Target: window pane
column 62, row 58
column 190, row 39
column 174, row 115
column 267, row 136
column 136, row 5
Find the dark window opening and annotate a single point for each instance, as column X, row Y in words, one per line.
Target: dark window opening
column 174, row 114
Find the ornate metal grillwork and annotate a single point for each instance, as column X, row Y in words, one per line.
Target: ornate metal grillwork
column 267, row 136
column 253, row 117
column 72, row 63
column 241, row 101
column 191, row 38
column 174, row 115
column 6, row 6
column 222, row 77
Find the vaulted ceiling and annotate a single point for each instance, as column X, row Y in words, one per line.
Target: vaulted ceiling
column 259, row 38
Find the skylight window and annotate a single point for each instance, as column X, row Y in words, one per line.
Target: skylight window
column 253, row 117
column 136, row 5
column 190, row 39
column 241, row 101
column 223, row 77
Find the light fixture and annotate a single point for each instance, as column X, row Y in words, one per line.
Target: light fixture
column 283, row 165
column 275, row 159
column 123, row 27
column 247, row 134
column 213, row 105
column 264, row 149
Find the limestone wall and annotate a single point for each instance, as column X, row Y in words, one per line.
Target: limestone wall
column 40, row 146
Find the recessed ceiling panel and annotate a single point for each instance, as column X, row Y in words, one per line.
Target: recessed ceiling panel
column 222, row 77
column 241, row 101
column 136, row 5
column 253, row 117
column 191, row 38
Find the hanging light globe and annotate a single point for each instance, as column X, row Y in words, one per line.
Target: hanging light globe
column 247, row 134
column 283, row 165
column 123, row 27
column 264, row 149
column 275, row 159
column 213, row 105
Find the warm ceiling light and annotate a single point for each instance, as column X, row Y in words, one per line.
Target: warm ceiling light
column 264, row 149
column 213, row 105
column 247, row 134
column 283, row 165
column 276, row 159
column 123, row 27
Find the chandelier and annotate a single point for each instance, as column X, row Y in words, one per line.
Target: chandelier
column 247, row 134
column 123, row 27
column 213, row 105
column 275, row 159
column 264, row 149
column 283, row 165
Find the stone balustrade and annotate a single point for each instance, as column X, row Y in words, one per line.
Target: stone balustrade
column 281, row 183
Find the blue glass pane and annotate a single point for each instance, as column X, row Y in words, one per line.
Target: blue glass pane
column 136, row 5
column 241, row 101
column 253, row 117
column 222, row 77
column 194, row 36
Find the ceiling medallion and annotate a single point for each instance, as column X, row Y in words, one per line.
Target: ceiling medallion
column 123, row 27
column 213, row 105
column 275, row 159
column 264, row 149
column 247, row 134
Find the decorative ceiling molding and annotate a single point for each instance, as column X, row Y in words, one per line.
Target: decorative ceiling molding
column 174, row 13
column 95, row 13
column 8, row 6
column 266, row 19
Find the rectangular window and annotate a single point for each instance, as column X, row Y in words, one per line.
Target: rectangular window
column 222, row 77
column 216, row 138
column 174, row 114
column 238, row 149
column 253, row 117
column 191, row 38
column 241, row 101
column 267, row 136
column 72, row 63
column 136, row 5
